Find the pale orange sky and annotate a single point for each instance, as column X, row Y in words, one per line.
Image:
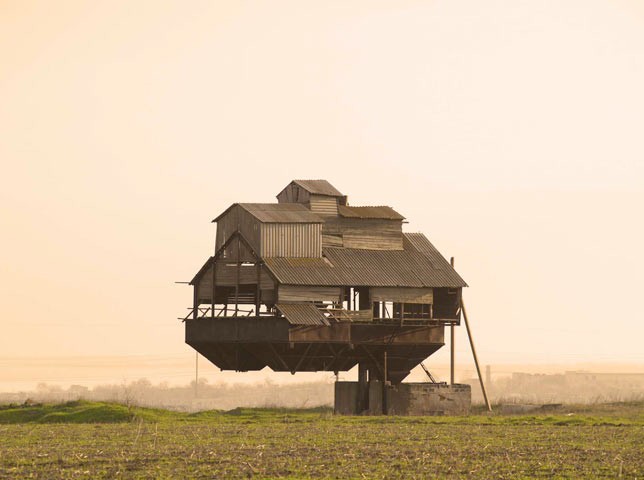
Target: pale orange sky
column 510, row 132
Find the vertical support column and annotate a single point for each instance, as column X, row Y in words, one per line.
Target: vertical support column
column 238, row 272
column 363, row 388
column 214, row 280
column 476, row 360
column 384, row 385
column 195, row 301
column 196, row 374
column 258, row 291
column 452, row 344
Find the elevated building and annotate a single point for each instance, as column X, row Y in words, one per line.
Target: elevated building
column 311, row 283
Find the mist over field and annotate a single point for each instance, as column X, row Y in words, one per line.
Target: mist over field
column 170, row 383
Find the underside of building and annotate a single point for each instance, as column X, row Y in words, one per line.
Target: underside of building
column 311, row 283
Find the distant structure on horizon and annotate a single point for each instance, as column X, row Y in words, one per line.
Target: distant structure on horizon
column 311, row 283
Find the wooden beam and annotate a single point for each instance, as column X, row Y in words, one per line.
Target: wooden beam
column 214, row 280
column 452, row 345
column 302, row 358
column 476, row 360
column 279, row 357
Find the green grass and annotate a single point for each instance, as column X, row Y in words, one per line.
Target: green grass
column 102, row 440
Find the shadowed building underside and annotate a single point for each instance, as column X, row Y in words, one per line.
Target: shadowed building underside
column 252, row 343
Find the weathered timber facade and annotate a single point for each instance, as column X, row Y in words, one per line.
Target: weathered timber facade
column 312, row 283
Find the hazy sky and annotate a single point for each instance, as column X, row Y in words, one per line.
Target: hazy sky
column 510, row 132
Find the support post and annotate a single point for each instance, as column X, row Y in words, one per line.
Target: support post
column 451, row 354
column 258, row 291
column 384, row 385
column 452, row 344
column 238, row 271
column 363, row 388
column 195, row 302
column 214, row 278
column 196, row 374
column 476, row 360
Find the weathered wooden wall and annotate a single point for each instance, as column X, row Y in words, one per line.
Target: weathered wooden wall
column 402, row 295
column 227, row 277
column 238, row 219
column 371, row 234
column 293, row 193
column 447, row 302
column 291, row 240
column 323, row 205
column 296, row 293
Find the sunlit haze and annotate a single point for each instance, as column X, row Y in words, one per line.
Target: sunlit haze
column 509, row 132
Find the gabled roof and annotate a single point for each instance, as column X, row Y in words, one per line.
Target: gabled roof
column 380, row 212
column 415, row 266
column 318, row 187
column 277, row 212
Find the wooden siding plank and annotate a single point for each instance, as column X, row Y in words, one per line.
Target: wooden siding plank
column 373, row 242
column 323, row 205
column 293, row 293
column 334, row 241
column 300, row 240
column 402, row 295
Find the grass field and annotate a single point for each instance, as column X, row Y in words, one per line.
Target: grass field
column 98, row 440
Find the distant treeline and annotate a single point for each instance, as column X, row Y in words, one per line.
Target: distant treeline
column 186, row 398
column 569, row 387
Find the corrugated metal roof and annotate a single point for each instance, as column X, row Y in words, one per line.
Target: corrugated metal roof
column 319, row 187
column 379, row 212
column 277, row 212
column 377, row 268
column 302, row 314
column 421, row 243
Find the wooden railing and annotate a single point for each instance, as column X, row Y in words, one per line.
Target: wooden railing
column 209, row 312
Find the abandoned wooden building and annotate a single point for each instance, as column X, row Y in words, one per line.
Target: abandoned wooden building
column 312, row 283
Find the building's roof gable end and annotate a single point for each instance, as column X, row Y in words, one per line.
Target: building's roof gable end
column 318, row 187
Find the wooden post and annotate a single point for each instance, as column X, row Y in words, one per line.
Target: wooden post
column 196, row 374
column 238, row 271
column 384, row 385
column 452, row 345
column 476, row 360
column 258, row 290
column 451, row 354
column 363, row 388
column 212, row 300
column 195, row 302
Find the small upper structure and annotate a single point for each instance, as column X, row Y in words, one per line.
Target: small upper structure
column 318, row 195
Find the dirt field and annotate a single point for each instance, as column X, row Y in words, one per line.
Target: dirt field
column 92, row 440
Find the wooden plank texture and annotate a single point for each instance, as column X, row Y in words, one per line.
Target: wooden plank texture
column 293, row 293
column 402, row 295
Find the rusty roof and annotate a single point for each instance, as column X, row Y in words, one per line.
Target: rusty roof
column 277, row 212
column 318, row 187
column 379, row 212
column 418, row 265
column 302, row 314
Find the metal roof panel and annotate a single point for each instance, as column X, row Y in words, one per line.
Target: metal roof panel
column 302, row 314
column 319, row 187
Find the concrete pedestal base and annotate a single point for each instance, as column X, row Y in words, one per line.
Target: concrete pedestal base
column 403, row 399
